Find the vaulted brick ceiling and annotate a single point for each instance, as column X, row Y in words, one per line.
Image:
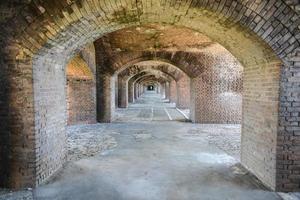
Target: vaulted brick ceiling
column 153, row 65
column 157, row 37
column 188, row 50
column 41, row 35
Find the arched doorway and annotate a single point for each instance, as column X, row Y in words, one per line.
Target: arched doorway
column 249, row 30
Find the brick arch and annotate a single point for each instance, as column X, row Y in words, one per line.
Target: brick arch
column 153, row 80
column 177, row 59
column 141, row 78
column 150, row 77
column 83, row 17
column 211, row 74
column 133, row 59
column 39, row 36
column 164, row 67
column 180, row 81
column 125, row 87
column 161, row 72
column 132, row 95
column 146, row 80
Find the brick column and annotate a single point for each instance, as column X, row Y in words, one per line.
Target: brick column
column 140, row 90
column 162, row 90
column 167, row 89
column 130, row 91
column 288, row 147
column 116, row 92
column 122, row 92
column 17, row 133
column 183, row 92
column 173, row 91
column 105, row 97
column 197, row 86
column 136, row 91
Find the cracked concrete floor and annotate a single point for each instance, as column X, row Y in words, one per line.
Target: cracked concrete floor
column 160, row 158
column 154, row 158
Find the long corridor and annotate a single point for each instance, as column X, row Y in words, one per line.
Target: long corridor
column 151, row 107
column 146, row 156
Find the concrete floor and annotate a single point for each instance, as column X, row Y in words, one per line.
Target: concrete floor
column 150, row 107
column 156, row 158
column 153, row 156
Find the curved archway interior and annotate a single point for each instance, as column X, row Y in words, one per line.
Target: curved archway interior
column 40, row 43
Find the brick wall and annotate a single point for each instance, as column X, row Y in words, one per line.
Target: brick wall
column 81, row 101
column 81, row 89
column 260, row 121
column 287, row 150
column 17, row 141
column 50, row 116
column 217, row 92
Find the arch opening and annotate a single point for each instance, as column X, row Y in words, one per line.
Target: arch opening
column 39, row 56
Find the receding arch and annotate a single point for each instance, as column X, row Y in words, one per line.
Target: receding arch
column 128, row 71
column 126, row 87
column 36, row 45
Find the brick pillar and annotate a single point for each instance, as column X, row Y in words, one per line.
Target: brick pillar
column 123, row 92
column 183, row 92
column 105, row 97
column 288, row 140
column 167, row 89
column 17, row 132
column 137, row 90
column 173, row 91
column 36, row 144
column 130, row 91
column 136, row 95
column 199, row 90
column 140, row 90
column 116, row 92
column 162, row 90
